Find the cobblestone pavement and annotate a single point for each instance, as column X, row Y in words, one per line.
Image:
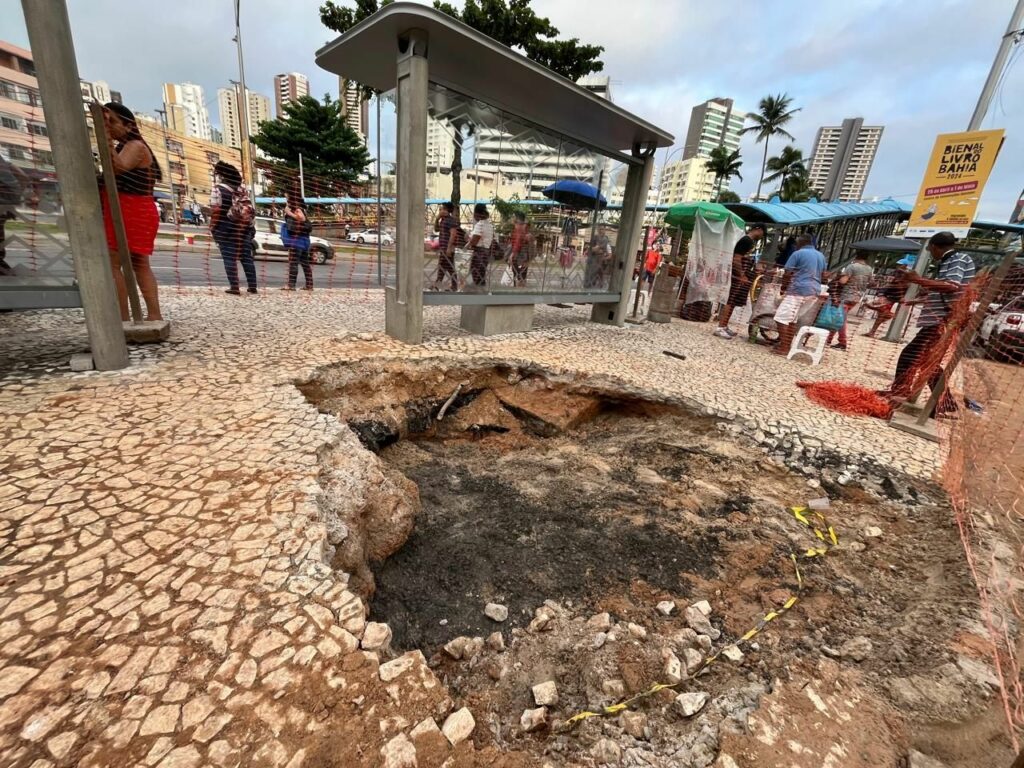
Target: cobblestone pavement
column 165, row 600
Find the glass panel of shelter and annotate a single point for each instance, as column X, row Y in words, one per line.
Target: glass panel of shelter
column 540, row 244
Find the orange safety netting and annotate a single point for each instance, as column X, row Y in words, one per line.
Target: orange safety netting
column 851, row 399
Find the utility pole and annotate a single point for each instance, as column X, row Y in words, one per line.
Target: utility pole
column 1012, row 36
column 302, row 179
column 167, row 159
column 380, row 256
column 243, row 107
column 49, row 34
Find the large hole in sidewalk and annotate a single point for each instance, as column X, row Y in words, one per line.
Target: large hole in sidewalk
column 539, row 490
column 532, row 489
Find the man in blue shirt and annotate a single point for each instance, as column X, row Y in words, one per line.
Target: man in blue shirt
column 801, row 288
column 922, row 357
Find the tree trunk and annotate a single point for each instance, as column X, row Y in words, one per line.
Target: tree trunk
column 457, row 168
column 764, row 166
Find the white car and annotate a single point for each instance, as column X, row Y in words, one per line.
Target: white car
column 1002, row 332
column 371, row 236
column 267, row 243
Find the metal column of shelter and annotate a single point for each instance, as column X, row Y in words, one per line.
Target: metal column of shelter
column 634, row 201
column 49, row 32
column 403, row 311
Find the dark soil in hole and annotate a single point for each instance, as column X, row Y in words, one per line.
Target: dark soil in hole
column 482, row 537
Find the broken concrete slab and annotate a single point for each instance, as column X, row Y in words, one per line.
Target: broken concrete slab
column 147, row 331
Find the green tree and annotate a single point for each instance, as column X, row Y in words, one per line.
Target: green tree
column 330, row 149
column 510, row 22
column 724, row 164
column 789, row 162
column 728, row 196
column 797, row 188
column 773, row 113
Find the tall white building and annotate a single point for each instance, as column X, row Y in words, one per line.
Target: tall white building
column 230, row 124
column 712, row 124
column 289, row 87
column 685, row 181
column 186, row 109
column 539, row 161
column 439, row 144
column 354, row 108
column 96, row 90
column 842, row 159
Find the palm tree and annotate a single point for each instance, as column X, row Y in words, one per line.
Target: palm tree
column 773, row 113
column 724, row 164
column 797, row 188
column 789, row 162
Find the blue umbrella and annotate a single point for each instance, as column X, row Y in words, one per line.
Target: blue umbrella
column 575, row 194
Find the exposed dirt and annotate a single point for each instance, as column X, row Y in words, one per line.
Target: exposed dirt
column 562, row 500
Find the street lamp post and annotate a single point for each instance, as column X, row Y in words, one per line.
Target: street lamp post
column 243, row 107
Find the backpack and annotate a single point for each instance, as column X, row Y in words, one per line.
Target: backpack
column 241, row 211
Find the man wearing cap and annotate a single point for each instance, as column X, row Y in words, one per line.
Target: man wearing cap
column 927, row 348
column 742, row 276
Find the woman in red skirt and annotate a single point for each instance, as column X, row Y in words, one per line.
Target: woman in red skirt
column 136, row 171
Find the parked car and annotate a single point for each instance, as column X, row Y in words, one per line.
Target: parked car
column 267, row 243
column 1002, row 333
column 370, row 236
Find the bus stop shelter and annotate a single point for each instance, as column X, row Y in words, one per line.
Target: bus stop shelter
column 441, row 68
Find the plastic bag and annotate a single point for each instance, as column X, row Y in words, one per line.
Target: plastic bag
column 831, row 317
column 507, row 278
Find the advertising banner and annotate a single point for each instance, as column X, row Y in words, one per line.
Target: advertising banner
column 958, row 169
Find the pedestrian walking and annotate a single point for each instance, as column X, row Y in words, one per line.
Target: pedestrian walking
column 922, row 357
column 135, row 174
column 853, row 283
column 519, row 255
column 295, row 237
column 445, row 225
column 231, row 224
column 599, row 259
column 480, row 240
column 742, row 276
column 651, row 263
column 801, row 288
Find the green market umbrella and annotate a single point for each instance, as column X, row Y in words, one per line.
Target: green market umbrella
column 682, row 215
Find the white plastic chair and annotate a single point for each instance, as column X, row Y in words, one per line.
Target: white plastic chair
column 807, row 332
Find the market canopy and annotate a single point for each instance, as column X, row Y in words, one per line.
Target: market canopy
column 796, row 214
column 888, row 245
column 476, row 67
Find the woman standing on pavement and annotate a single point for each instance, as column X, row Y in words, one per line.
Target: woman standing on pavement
column 233, row 238
column 296, row 239
column 135, row 173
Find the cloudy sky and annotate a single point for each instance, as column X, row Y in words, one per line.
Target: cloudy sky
column 914, row 66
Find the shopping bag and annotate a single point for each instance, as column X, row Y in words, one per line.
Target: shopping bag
column 507, row 278
column 831, row 317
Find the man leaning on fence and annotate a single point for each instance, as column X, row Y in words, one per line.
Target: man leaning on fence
column 922, row 357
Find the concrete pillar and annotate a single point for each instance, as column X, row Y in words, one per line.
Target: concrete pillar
column 634, row 200
column 403, row 309
column 49, row 33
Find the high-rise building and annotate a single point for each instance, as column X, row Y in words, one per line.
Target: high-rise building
column 186, row 109
column 289, row 87
column 354, row 108
column 439, row 144
column 537, row 160
column 842, row 159
column 687, row 181
column 96, row 91
column 24, row 140
column 712, row 124
column 230, row 123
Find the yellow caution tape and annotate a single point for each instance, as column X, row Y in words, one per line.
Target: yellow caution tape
column 800, row 514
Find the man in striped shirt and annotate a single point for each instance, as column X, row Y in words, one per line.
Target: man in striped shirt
column 927, row 348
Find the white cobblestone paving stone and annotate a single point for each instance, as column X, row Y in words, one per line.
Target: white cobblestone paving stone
column 163, row 599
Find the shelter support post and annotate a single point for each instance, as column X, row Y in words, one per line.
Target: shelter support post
column 403, row 311
column 49, row 33
column 638, row 181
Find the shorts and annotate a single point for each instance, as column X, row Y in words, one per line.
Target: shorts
column 738, row 293
column 792, row 307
